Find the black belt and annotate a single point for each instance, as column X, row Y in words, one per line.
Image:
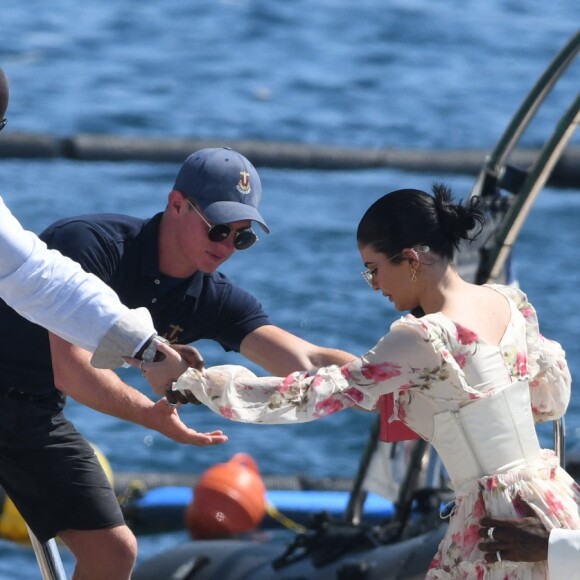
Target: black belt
column 17, row 395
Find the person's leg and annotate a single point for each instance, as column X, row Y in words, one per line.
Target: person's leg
column 56, row 481
column 100, row 554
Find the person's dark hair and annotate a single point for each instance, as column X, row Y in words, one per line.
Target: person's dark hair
column 407, row 218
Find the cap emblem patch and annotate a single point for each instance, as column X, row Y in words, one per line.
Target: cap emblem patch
column 244, row 183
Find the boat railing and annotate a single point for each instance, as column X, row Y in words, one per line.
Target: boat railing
column 523, row 184
column 423, row 471
column 559, row 428
column 48, row 558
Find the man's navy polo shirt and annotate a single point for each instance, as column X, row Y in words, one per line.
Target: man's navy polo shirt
column 123, row 252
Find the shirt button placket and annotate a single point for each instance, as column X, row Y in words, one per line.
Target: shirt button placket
column 157, row 282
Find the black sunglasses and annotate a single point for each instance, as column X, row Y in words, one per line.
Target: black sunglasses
column 243, row 239
column 3, row 124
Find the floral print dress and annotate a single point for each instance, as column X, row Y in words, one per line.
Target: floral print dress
column 433, row 366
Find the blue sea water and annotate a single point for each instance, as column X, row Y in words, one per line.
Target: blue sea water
column 399, row 73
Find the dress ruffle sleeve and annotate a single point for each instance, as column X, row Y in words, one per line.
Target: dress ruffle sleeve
column 550, row 379
column 238, row 394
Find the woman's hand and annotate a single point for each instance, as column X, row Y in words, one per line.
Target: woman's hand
column 190, row 354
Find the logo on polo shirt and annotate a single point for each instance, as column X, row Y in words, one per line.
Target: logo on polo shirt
column 244, row 183
column 173, row 335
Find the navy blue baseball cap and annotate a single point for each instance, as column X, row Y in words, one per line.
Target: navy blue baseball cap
column 225, row 185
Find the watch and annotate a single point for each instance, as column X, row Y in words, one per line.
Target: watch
column 149, row 351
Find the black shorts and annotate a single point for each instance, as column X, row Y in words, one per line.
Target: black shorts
column 51, row 472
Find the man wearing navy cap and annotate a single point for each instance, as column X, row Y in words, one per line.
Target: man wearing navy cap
column 169, row 265
column 39, row 449
column 225, row 185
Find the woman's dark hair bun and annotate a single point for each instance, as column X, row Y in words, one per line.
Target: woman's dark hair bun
column 406, row 218
column 458, row 221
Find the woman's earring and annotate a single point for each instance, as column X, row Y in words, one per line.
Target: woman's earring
column 413, row 275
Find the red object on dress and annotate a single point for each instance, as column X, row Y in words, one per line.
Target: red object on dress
column 395, row 430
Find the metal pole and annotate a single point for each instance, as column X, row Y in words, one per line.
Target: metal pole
column 560, row 440
column 356, row 500
column 48, row 558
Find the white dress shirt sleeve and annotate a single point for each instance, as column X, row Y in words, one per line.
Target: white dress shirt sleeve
column 53, row 291
column 564, row 554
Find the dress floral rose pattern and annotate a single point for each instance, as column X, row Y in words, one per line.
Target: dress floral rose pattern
column 431, row 365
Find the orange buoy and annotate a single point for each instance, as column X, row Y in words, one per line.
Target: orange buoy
column 229, row 498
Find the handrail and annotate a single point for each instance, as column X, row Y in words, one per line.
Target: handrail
column 532, row 102
column 516, row 208
column 498, row 248
column 48, row 558
column 357, row 497
column 560, row 440
column 496, row 160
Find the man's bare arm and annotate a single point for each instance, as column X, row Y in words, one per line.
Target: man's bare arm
column 104, row 391
column 281, row 353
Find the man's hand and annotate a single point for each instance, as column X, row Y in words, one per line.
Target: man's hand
column 164, row 418
column 104, row 391
column 167, row 368
column 518, row 539
column 194, row 360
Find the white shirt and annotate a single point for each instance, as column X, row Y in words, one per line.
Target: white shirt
column 564, row 554
column 53, row 291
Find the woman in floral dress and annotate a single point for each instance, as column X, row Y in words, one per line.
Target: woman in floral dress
column 471, row 376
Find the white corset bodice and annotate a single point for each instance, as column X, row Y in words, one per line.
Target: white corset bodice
column 489, row 436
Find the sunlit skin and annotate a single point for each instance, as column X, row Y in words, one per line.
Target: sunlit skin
column 438, row 288
column 184, row 247
column 394, row 280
